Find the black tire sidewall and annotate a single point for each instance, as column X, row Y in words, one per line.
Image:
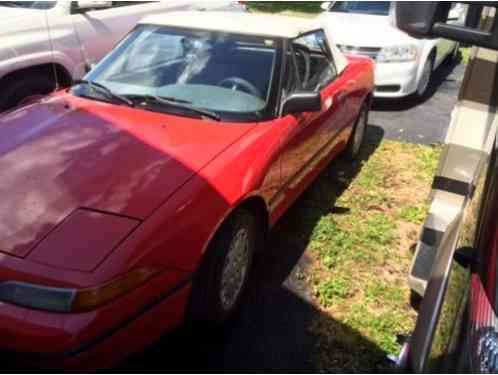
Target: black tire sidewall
column 205, row 304
column 349, row 154
column 17, row 90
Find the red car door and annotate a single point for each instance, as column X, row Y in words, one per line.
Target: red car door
column 311, row 136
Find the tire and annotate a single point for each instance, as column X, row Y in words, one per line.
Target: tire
column 222, row 278
column 426, row 78
column 20, row 89
column 358, row 135
column 453, row 57
column 415, row 300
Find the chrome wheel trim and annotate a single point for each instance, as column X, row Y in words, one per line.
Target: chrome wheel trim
column 235, row 269
column 359, row 132
column 425, row 78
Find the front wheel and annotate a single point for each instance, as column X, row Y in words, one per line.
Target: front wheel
column 425, row 78
column 25, row 90
column 357, row 137
column 454, row 56
column 223, row 275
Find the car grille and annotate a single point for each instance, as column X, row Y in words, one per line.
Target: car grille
column 371, row 52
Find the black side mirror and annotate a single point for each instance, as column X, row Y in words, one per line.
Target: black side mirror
column 302, row 102
column 422, row 19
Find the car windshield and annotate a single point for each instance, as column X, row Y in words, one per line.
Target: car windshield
column 227, row 74
column 378, row 8
column 29, row 4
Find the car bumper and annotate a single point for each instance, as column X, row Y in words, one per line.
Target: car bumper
column 395, row 80
column 83, row 341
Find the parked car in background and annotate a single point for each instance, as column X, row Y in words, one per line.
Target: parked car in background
column 42, row 42
column 404, row 65
column 456, row 260
column 139, row 196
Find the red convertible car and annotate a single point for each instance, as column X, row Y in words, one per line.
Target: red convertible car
column 137, row 198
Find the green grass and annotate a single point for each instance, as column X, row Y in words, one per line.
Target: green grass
column 360, row 254
column 465, row 54
column 282, row 6
column 413, row 214
column 333, row 290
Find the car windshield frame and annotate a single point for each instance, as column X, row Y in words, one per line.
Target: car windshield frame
column 344, row 7
column 268, row 112
column 36, row 5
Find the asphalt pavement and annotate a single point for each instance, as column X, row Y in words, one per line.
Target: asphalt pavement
column 418, row 121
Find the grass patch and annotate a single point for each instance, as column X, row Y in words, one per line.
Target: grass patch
column 413, row 214
column 465, row 54
column 363, row 220
column 283, row 6
column 332, row 290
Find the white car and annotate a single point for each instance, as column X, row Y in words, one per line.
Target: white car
column 41, row 40
column 404, row 65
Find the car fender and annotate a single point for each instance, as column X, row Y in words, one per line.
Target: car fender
column 25, row 61
column 256, row 176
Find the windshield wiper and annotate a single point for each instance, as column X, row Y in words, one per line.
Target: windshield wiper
column 157, row 98
column 106, row 90
column 174, row 102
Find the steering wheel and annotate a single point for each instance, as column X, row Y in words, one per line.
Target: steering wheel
column 235, row 82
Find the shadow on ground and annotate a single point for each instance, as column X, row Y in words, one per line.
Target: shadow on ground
column 272, row 332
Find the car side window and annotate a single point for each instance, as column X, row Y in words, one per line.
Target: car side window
column 314, row 61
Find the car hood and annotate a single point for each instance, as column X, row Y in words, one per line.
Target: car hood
column 362, row 30
column 68, row 153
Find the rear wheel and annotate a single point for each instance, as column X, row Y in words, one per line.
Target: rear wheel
column 24, row 90
column 453, row 57
column 223, row 275
column 357, row 137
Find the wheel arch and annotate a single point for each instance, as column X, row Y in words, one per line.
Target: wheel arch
column 63, row 76
column 427, row 53
column 257, row 206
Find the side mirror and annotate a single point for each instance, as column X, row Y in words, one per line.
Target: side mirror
column 326, row 5
column 87, row 5
column 302, row 102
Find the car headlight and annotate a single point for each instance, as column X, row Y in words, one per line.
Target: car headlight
column 66, row 300
column 397, row 54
